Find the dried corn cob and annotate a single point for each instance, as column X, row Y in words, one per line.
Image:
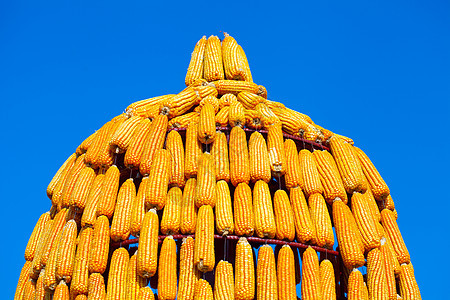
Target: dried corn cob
column 154, row 142
column 178, row 104
column 275, row 146
column 365, row 222
column 121, row 223
column 105, row 156
column 221, row 117
column 80, row 297
column 263, row 209
column 134, row 282
column 188, row 215
column 51, row 239
column 29, row 288
column 244, row 284
column 122, row 137
column 239, row 159
column 348, row 165
column 327, row 280
column 407, row 282
column 61, row 291
column 170, row 222
column 268, row 118
column 293, row 175
column 80, row 278
column 167, row 272
column 349, row 239
column 96, row 287
column 250, row 100
column 146, row 293
column 356, row 288
column 304, row 226
column 58, row 189
column 253, row 119
column 138, row 208
column 310, row 175
column 204, row 257
column 311, row 288
column 388, row 203
column 236, row 114
column 224, row 212
column 66, row 252
column 226, row 100
column 266, row 274
column 258, row 158
column 284, row 216
column 203, row 91
column 376, row 277
column 36, row 235
column 50, row 282
column 390, row 248
column 158, row 181
column 61, row 174
column 233, row 61
column 224, row 281
column 117, row 278
column 207, row 125
column 203, row 290
column 100, row 139
column 134, row 151
column 40, row 292
column 219, row 150
column 321, row 220
column 84, row 146
column 184, row 120
column 372, row 204
column 212, row 64
column 295, row 123
column 108, row 194
column 195, row 69
column 188, row 272
column 388, row 267
column 393, row 232
column 147, row 108
column 23, row 278
column 193, row 150
column 70, row 182
column 148, row 245
column 36, row 263
column 81, row 189
column 90, row 211
column 174, row 144
column 235, row 87
column 286, row 273
column 99, row 249
column 205, row 191
column 246, row 67
column 243, row 210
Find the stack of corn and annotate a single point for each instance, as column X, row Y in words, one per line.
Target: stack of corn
column 217, row 161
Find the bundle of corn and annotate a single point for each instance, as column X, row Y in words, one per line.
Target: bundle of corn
column 163, row 171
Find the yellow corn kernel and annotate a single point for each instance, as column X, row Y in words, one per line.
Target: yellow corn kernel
column 193, row 151
column 148, row 245
column 327, row 280
column 233, row 60
column 121, row 139
column 286, row 273
column 170, row 222
column 207, row 124
column 195, row 69
column 219, row 150
column 121, row 223
column 183, row 121
column 304, row 226
column 138, row 208
column 188, row 214
column 293, row 175
column 390, row 249
column 310, row 175
column 23, row 278
column 253, row 119
column 284, row 216
column 244, row 284
column 226, row 100
column 376, row 277
column 275, row 146
column 311, row 288
column 96, row 288
column 108, row 194
column 205, row 191
column 268, row 118
column 158, row 181
column 221, row 117
column 224, row 212
column 51, row 239
column 36, row 235
column 134, row 281
column 235, row 87
column 250, row 100
column 357, row 290
column 321, row 220
column 146, row 293
column 179, row 104
column 393, row 232
column 204, row 256
column 407, row 282
column 365, row 222
column 239, row 159
column 188, row 272
column 80, row 278
column 66, row 252
column 212, row 63
column 167, row 271
column 258, row 158
column 117, row 278
column 90, row 211
column 70, row 182
column 266, row 274
column 203, row 290
column 174, row 144
column 61, row 174
column 263, row 209
column 154, row 142
column 147, row 108
column 84, row 146
column 135, row 149
column 236, row 114
column 204, row 91
column 209, row 99
column 98, row 252
column 243, row 210
column 224, row 281
column 80, row 192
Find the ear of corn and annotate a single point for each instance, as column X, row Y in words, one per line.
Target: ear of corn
column 121, row 223
column 250, row 100
column 266, row 274
column 219, row 150
column 122, row 137
column 183, row 121
column 204, row 256
column 90, row 211
column 224, row 281
column 70, row 182
column 236, row 114
column 117, row 278
column 207, row 124
column 224, row 211
column 61, row 174
column 203, row 290
column 41, row 245
column 81, row 189
column 170, row 222
column 286, row 273
column 66, row 252
column 275, row 146
column 61, row 291
column 93, row 152
column 167, row 272
column 80, row 278
column 40, row 292
column 148, row 245
column 395, row 237
column 99, row 249
column 221, row 117
column 179, row 104
column 153, row 143
column 133, row 155
column 158, row 181
column 58, row 188
column 407, row 282
column 174, row 144
column 295, row 123
column 51, row 239
column 193, row 150
column 205, row 191
column 23, row 278
column 365, row 222
column 388, row 267
column 253, row 119
column 239, row 160
column 357, row 290
column 304, row 227
column 258, row 158
column 188, row 214
column 36, row 235
column 84, row 146
column 390, row 249
column 372, row 204
column 244, row 282
column 96, row 288
column 108, row 194
column 105, row 156
column 268, row 118
column 293, row 175
column 50, row 281
column 233, row 60
column 134, row 282
column 188, row 272
column 147, row 108
column 311, row 288
column 284, row 216
column 243, row 210
column 327, row 280
column 310, row 175
column 195, row 69
column 321, row 220
column 146, row 293
column 203, row 91
column 376, row 277
column 212, row 64
column 138, row 208
column 263, row 209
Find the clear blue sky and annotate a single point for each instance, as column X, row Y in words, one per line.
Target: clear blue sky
column 377, row 71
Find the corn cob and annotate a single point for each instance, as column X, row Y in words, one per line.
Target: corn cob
column 329, row 176
column 211, row 100
column 244, row 284
column 365, row 222
column 284, row 216
column 390, row 249
column 266, row 274
column 206, row 125
column 293, row 175
column 188, row 272
column 212, row 63
column 167, row 272
column 61, row 291
column 274, row 104
column 224, row 212
column 376, row 277
column 325, row 133
column 154, row 142
column 70, row 182
column 310, row 175
column 122, row 137
column 379, row 188
column 51, row 239
column 221, row 117
column 348, row 165
column 349, row 239
column 105, row 155
column 63, row 179
column 247, row 72
column 188, row 215
column 90, row 211
column 80, row 278
column 23, row 278
column 205, row 191
column 327, row 280
column 29, row 292
column 170, row 222
column 408, row 286
column 219, row 150
column 357, row 290
column 258, row 158
column 203, row 91
column 294, row 122
column 135, row 149
column 275, row 146
column 146, row 293
column 178, row 104
column 195, row 69
column 193, row 151
column 35, row 268
column 224, row 281
column 236, row 114
column 99, row 249
column 233, row 60
column 372, row 204
column 148, row 245
column 81, row 189
column 121, row 223
column 174, row 144
column 388, row 203
column 321, row 220
column 250, row 100
column 81, row 297
column 184, row 120
column 253, row 119
column 388, row 267
column 203, row 290
column 40, row 292
column 138, row 208
column 393, row 232
column 226, row 100
column 268, row 118
column 158, row 181
column 61, row 174
column 263, row 209
column 66, row 252
column 239, row 159
column 134, row 282
column 204, row 256
column 286, row 274
column 311, row 288
column 36, row 235
column 84, row 146
column 304, row 226
column 108, row 194
column 96, row 290
column 243, row 210
column 147, row 108
column 49, row 280
column 100, row 138
column 117, row 278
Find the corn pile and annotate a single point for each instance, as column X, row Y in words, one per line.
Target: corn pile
column 217, row 166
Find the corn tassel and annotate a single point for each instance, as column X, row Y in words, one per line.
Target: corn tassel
column 158, row 181
column 244, row 284
column 148, row 245
column 224, row 281
column 117, row 288
column 365, row 222
column 327, row 280
column 376, row 276
column 108, row 194
column 61, row 174
column 321, row 220
column 138, row 208
column 205, row 191
column 99, row 249
column 204, row 256
column 188, row 272
column 304, row 227
column 356, row 289
column 80, row 278
column 286, row 274
column 284, row 216
column 236, row 114
column 133, row 155
column 258, row 158
column 224, row 211
column 203, row 290
column 275, row 146
column 170, row 222
column 239, row 158
column 263, row 209
column 193, row 151
column 36, row 235
column 219, row 150
column 90, row 211
column 174, row 144
column 393, row 232
column 266, row 274
column 243, row 210
column 121, row 223
column 188, row 215
column 153, row 143
column 195, row 69
column 81, row 189
column 66, row 252
column 311, row 287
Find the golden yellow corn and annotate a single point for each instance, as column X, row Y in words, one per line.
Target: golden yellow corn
column 408, row 286
column 236, row 114
column 204, row 256
column 105, row 156
column 158, row 181
column 121, row 222
column 98, row 252
column 219, row 150
column 108, row 194
column 174, row 144
column 100, row 139
column 321, row 220
column 134, row 281
column 133, row 155
column 179, row 104
column 147, row 108
column 146, row 293
column 365, row 222
column 239, row 159
column 356, row 287
column 122, row 137
column 226, row 100
column 80, row 278
column 389, row 203
column 393, row 232
column 84, row 146
column 167, row 271
column 250, row 100
column 23, row 278
column 61, row 291
column 266, row 274
column 35, row 268
column 90, row 210
column 80, row 297
column 372, row 204
column 205, row 191
column 203, row 290
column 117, row 278
column 221, row 117
column 253, row 119
column 70, row 182
column 195, row 69
column 243, row 210
column 212, row 63
column 286, row 274
column 304, row 226
column 58, row 189
column 327, row 280
column 209, row 99
column 268, row 118
column 244, row 281
column 66, row 252
column 376, row 277
column 263, row 209
column 148, row 245
column 183, row 121
column 61, row 174
column 233, row 60
column 154, row 142
column 224, row 281
column 284, row 216
column 311, row 288
column 188, row 272
column 207, row 124
column 310, row 175
column 258, row 158
column 96, row 288
column 224, row 211
column 80, row 192
column 349, row 238
column 275, row 146
column 390, row 249
column 138, row 208
column 295, row 123
column 246, row 67
column 57, row 225
column 388, row 267
column 193, row 151
column 170, row 222
column 293, row 175
column 188, row 214
column 40, row 292
column 203, row 91
column 36, row 235
column 50, row 282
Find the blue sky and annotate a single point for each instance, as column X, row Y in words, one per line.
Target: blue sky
column 377, row 71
